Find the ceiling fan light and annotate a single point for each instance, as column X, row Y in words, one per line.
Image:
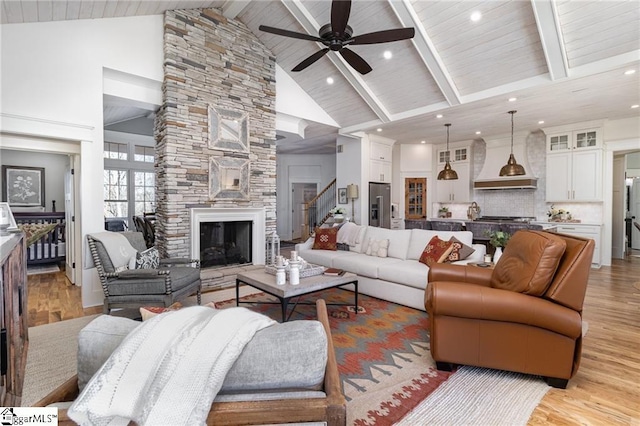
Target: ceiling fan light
column 512, row 168
column 447, row 173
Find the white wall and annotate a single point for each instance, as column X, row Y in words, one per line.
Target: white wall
column 54, row 166
column 353, row 167
column 52, row 79
column 298, row 168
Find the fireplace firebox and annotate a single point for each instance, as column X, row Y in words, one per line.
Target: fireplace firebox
column 225, row 243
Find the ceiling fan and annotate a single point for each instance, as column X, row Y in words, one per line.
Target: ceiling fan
column 337, row 35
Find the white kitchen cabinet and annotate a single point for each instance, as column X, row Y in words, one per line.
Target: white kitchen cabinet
column 458, row 190
column 380, row 151
column 592, row 232
column 574, row 176
column 571, row 140
column 379, row 171
column 455, row 155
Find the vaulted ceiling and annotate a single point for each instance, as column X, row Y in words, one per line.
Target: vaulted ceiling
column 563, row 61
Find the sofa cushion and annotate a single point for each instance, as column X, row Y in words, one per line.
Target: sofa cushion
column 324, row 257
column 460, row 250
column 398, row 240
column 529, row 262
column 436, row 251
column 410, row 272
column 378, row 248
column 362, row 231
column 366, row 266
column 292, row 355
column 325, row 239
column 420, row 238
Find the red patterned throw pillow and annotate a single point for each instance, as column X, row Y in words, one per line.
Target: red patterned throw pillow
column 326, row 239
column 437, row 251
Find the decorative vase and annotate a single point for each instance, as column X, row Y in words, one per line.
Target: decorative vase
column 497, row 254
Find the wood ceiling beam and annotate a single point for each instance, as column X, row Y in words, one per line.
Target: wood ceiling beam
column 427, row 50
column 551, row 38
column 302, row 15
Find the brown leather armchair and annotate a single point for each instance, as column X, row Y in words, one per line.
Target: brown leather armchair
column 525, row 315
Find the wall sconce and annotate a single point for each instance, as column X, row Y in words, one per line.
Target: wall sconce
column 352, row 192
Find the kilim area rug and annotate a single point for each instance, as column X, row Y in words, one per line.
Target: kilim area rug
column 382, row 352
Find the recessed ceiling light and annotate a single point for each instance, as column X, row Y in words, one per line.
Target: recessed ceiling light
column 379, row 129
column 513, row 99
column 478, row 132
column 541, row 122
column 387, row 54
column 329, row 80
column 423, row 141
column 635, row 106
column 629, row 72
column 439, row 116
column 476, row 15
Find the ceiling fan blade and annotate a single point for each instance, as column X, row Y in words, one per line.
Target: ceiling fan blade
column 310, row 60
column 340, row 10
column 383, row 36
column 355, row 61
column 287, row 33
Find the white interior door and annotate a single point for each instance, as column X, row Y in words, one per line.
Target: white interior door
column 635, row 211
column 301, row 192
column 69, row 209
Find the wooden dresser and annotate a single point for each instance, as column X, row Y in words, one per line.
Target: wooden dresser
column 13, row 318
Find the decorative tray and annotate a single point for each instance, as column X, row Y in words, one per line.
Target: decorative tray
column 308, row 271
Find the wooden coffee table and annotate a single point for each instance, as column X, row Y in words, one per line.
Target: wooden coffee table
column 266, row 282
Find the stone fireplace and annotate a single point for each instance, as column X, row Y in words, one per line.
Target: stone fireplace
column 223, row 237
column 212, row 63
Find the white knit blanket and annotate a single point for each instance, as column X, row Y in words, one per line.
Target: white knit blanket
column 169, row 369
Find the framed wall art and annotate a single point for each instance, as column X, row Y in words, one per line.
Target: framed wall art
column 342, row 196
column 228, row 178
column 23, row 186
column 228, row 130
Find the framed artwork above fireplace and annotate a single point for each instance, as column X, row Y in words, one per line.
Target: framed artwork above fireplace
column 228, row 130
column 228, row 178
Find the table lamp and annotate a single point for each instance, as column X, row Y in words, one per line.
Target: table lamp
column 352, row 192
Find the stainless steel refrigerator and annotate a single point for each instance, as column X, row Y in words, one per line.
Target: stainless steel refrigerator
column 380, row 205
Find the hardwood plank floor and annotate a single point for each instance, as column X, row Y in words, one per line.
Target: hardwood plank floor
column 605, row 391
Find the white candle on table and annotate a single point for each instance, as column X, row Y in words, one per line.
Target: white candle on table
column 294, row 255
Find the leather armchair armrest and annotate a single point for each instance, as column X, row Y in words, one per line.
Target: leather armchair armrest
column 460, row 273
column 485, row 303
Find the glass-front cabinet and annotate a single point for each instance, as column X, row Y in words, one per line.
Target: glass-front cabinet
column 453, row 155
column 415, row 198
column 577, row 139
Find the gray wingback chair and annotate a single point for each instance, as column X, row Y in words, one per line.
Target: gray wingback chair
column 174, row 280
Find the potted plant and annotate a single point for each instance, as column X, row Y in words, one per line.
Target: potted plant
column 499, row 240
column 338, row 214
column 444, row 212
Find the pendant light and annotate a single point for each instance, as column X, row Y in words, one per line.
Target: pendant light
column 447, row 173
column 512, row 168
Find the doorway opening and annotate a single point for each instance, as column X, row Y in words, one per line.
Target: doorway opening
column 301, row 193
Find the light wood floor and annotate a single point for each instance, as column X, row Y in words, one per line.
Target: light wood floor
column 605, row 391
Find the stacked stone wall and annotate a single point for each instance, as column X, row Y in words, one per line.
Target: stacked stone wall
column 210, row 60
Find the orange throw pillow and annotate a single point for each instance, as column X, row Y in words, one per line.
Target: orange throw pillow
column 437, row 251
column 326, row 239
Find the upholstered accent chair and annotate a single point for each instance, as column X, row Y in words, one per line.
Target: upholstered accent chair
column 525, row 315
column 173, row 280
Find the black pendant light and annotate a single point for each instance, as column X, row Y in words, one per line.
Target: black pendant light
column 447, row 173
column 512, row 168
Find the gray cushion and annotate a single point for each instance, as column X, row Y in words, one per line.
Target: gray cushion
column 96, row 341
column 292, row 355
column 181, row 277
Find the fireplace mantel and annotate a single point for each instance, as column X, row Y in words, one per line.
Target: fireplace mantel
column 209, row 214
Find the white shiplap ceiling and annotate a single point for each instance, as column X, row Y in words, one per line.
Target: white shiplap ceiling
column 564, row 61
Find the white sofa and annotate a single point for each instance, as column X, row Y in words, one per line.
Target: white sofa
column 398, row 278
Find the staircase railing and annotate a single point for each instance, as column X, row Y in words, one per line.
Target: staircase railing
column 318, row 210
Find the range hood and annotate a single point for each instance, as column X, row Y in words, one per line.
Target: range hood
column 497, row 154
